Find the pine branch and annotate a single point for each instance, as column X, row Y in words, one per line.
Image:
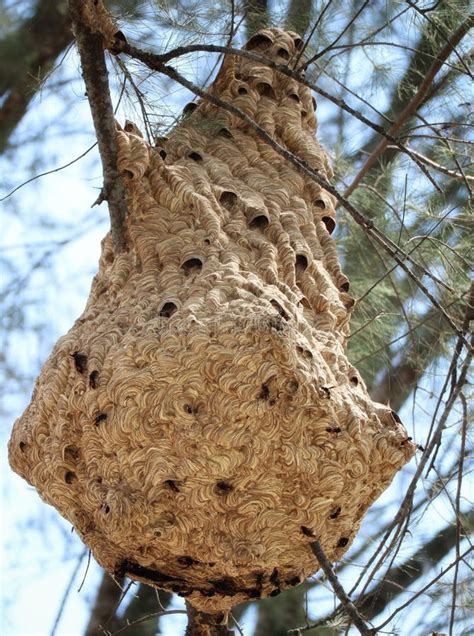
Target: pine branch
column 95, row 74
column 256, row 14
column 412, row 106
column 299, row 16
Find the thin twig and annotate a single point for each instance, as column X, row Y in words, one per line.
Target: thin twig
column 424, row 589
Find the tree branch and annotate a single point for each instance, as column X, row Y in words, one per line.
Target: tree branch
column 201, row 624
column 346, row 602
column 414, row 103
column 95, row 74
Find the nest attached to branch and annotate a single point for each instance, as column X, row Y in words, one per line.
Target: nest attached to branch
column 200, row 424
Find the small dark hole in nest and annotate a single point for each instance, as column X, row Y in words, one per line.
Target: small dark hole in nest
column 298, row 43
column 276, row 305
column 242, row 90
column 345, row 286
column 100, row 418
column 319, row 203
column 304, row 113
column 265, row 90
column 283, row 53
column 343, row 541
column 225, row 132
column 307, row 531
column 187, row 561
column 264, row 392
column 275, row 576
column 22, row 446
column 259, row 222
column 354, row 380
column 275, row 592
column 224, row 487
column 330, row 224
column 106, row 509
column 191, row 409
column 69, row 477
column 334, row 429
column 80, row 362
column 192, row 265
column 315, row 106
column 295, row 97
column 163, row 154
column 171, row 485
column 167, row 310
column 207, row 241
column 335, row 513
column 258, row 40
column 195, row 156
column 228, row 199
column 293, row 581
column 301, row 263
column 71, row 453
column 189, row 108
column 127, row 173
column 93, row 379
column 208, row 593
column 238, row 76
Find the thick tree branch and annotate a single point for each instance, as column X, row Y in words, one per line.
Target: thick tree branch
column 201, row 624
column 95, row 74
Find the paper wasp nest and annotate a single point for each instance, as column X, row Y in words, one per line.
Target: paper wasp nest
column 200, row 423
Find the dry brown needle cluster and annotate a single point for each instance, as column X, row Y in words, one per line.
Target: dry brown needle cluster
column 200, row 424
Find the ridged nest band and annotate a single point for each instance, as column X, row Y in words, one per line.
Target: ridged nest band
column 200, row 424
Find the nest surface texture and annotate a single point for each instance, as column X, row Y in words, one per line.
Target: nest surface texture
column 200, row 424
